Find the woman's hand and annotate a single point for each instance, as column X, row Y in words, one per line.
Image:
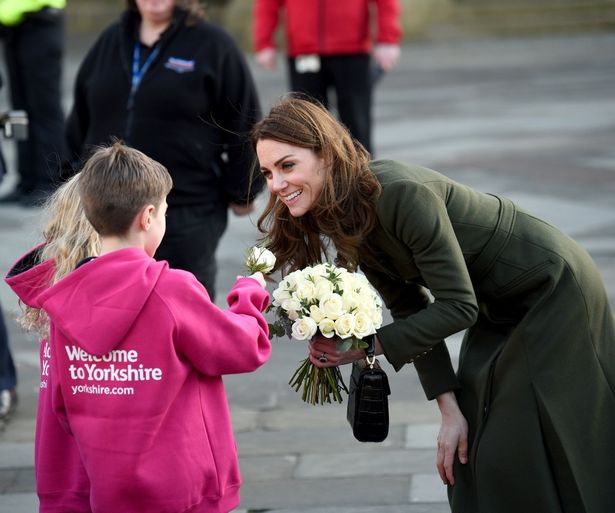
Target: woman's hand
column 324, row 353
column 453, row 437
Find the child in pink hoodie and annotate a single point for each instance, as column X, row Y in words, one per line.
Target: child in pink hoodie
column 62, row 484
column 139, row 351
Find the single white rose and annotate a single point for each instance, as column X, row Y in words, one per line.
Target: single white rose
column 305, row 291
column 316, row 314
column 260, row 259
column 376, row 317
column 344, row 325
column 332, row 305
column 322, row 288
column 352, row 300
column 327, row 327
column 304, row 328
column 291, row 305
column 280, row 295
column 363, row 325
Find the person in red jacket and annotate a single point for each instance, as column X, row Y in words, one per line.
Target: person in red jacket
column 328, row 46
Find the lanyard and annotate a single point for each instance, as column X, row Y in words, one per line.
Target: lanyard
column 139, row 71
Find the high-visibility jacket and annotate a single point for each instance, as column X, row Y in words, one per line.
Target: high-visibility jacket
column 13, row 12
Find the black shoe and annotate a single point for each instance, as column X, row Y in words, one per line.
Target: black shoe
column 8, row 402
column 12, row 197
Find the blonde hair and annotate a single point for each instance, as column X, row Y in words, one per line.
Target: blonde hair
column 69, row 238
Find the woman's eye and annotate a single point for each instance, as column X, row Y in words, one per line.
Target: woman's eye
column 287, row 165
column 266, row 174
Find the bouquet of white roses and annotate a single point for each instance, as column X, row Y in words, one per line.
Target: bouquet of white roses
column 335, row 302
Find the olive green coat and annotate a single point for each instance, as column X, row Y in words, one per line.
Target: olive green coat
column 536, row 376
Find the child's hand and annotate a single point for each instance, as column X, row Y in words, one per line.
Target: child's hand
column 258, row 276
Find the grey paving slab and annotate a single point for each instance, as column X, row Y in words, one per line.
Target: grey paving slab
column 17, row 455
column 412, row 508
column 390, row 462
column 326, row 491
column 19, row 503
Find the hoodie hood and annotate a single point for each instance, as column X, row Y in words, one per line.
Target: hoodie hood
column 109, row 291
column 28, row 278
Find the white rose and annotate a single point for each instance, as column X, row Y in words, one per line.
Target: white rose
column 327, row 328
column 332, row 305
column 344, row 325
column 322, row 288
column 291, row 305
column 260, row 259
column 376, row 317
column 352, row 300
column 304, row 328
column 363, row 325
column 316, row 314
column 305, row 291
column 280, row 295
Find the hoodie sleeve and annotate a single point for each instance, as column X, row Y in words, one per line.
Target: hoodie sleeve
column 218, row 341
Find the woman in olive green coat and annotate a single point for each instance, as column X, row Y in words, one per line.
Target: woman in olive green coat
column 528, row 420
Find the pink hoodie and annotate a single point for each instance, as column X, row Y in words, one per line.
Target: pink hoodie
column 61, row 482
column 139, row 351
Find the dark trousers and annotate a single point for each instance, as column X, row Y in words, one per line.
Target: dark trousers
column 8, row 375
column 191, row 239
column 350, row 77
column 33, row 51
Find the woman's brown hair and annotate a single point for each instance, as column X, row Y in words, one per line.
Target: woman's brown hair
column 196, row 12
column 344, row 213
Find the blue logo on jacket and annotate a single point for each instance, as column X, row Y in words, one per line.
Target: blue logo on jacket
column 179, row 65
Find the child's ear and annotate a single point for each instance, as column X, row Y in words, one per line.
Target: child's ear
column 145, row 217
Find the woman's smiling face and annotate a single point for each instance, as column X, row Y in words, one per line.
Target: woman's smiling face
column 295, row 175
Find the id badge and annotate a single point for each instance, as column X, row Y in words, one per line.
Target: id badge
column 307, row 64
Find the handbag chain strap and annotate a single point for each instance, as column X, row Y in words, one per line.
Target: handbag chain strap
column 370, row 351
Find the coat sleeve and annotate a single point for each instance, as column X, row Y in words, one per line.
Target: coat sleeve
column 235, row 110
column 414, row 215
column 78, row 120
column 389, row 27
column 217, row 341
column 435, row 369
column 265, row 22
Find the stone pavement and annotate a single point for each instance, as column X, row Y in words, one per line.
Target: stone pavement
column 530, row 118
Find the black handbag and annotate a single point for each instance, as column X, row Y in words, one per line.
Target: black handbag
column 368, row 401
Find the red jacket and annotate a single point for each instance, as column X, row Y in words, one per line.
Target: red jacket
column 326, row 27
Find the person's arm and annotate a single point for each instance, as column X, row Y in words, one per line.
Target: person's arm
column 235, row 110
column 435, row 369
column 452, row 438
column 218, row 341
column 415, row 217
column 78, row 121
column 265, row 22
column 386, row 49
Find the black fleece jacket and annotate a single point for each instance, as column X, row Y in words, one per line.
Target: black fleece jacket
column 192, row 111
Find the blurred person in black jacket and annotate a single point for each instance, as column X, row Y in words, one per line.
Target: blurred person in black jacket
column 33, row 35
column 177, row 88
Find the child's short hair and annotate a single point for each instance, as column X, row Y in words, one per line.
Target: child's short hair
column 116, row 183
